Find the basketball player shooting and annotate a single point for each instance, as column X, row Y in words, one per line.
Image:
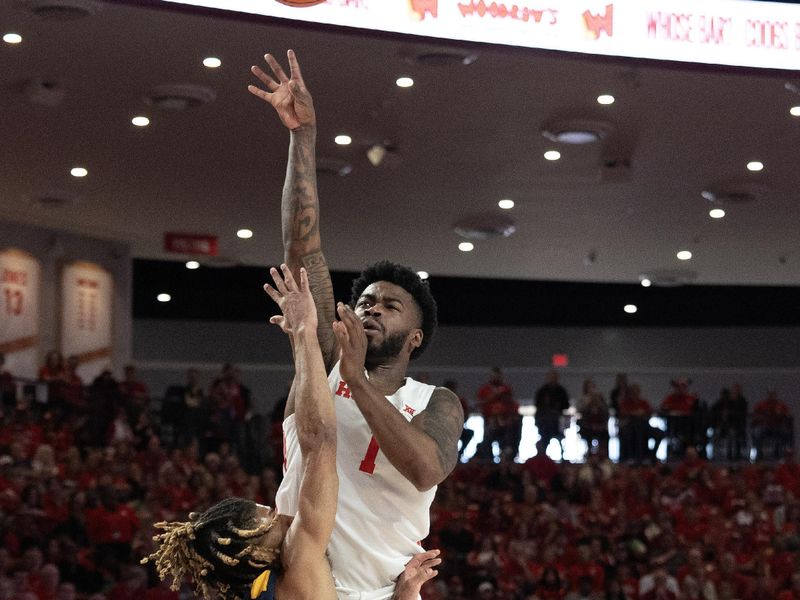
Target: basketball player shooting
column 397, row 437
column 238, row 548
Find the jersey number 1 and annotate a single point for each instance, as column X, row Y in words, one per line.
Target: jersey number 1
column 368, row 464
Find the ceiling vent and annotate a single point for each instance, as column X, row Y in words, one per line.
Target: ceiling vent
column 483, row 226
column 59, row 10
column 56, row 199
column 577, row 131
column 180, row 96
column 444, row 58
column 737, row 192
column 669, row 277
column 333, row 166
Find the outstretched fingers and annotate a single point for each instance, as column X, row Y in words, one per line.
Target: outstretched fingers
column 276, row 68
column 294, row 67
column 268, row 81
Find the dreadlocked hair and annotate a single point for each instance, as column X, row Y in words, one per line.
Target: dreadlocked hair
column 407, row 279
column 215, row 549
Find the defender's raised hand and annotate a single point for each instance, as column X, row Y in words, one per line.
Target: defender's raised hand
column 418, row 570
column 288, row 95
column 295, row 302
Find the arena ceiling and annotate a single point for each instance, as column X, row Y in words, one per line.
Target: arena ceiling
column 461, row 139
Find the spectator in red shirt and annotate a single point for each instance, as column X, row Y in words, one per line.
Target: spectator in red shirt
column 772, row 426
column 635, row 431
column 501, row 421
column 678, row 408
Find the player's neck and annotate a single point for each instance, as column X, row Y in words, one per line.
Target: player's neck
column 388, row 377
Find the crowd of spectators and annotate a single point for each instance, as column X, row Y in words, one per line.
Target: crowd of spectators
column 84, row 476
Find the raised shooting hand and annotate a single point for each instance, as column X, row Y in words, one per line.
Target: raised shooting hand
column 352, row 343
column 288, row 95
column 295, row 301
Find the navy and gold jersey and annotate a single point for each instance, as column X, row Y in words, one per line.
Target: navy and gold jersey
column 263, row 587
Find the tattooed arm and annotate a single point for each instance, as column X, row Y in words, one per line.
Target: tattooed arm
column 300, row 204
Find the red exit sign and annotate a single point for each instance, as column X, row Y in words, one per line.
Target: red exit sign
column 560, row 360
column 190, row 243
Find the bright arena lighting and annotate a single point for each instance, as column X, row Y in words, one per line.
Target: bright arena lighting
column 506, row 204
column 684, row 255
column 646, row 282
column 343, row 140
column 423, row 274
column 192, row 264
column 795, row 111
column 466, row 246
column 404, row 82
column 552, row 155
column 212, row 62
column 605, row 99
column 755, row 165
column 140, row 121
column 12, row 38
column 245, row 234
column 716, row 213
column 630, row 308
column 163, row 297
column 78, row 172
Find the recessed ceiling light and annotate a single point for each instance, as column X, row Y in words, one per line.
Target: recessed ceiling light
column 605, row 99
column 12, row 38
column 212, row 62
column 646, row 282
column 716, row 213
column 140, row 121
column 192, row 264
column 684, row 255
column 466, row 246
column 423, row 274
column 163, row 297
column 343, row 140
column 78, row 172
column 404, row 82
column 795, row 111
column 755, row 165
column 245, row 234
column 506, row 204
column 630, row 308
column 552, row 155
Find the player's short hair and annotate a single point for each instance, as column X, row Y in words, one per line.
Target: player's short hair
column 216, row 549
column 407, row 279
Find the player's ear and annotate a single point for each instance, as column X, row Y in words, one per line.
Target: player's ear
column 415, row 338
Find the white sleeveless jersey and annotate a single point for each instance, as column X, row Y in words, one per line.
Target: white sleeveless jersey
column 381, row 517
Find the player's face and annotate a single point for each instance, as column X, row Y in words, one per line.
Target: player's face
column 391, row 320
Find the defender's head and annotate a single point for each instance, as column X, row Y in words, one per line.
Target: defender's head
column 397, row 308
column 223, row 549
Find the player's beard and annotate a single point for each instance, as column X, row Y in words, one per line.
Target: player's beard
column 389, row 348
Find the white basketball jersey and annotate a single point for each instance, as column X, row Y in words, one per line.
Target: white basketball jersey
column 381, row 517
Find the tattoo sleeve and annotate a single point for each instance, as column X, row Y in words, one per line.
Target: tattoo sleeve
column 301, row 237
column 443, row 420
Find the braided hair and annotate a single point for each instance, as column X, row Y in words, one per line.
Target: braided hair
column 215, row 549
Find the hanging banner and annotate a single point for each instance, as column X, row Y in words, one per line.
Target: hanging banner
column 722, row 32
column 19, row 311
column 86, row 310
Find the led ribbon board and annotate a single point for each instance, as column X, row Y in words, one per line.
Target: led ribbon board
column 723, row 32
